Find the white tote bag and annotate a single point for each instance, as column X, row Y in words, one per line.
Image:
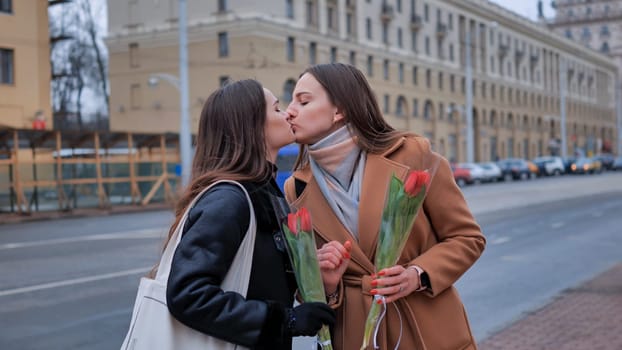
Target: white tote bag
column 153, row 327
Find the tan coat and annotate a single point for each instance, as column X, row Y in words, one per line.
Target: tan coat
column 445, row 242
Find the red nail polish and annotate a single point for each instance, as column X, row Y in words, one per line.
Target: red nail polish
column 379, row 302
column 381, row 273
column 346, row 255
column 374, row 283
column 373, row 292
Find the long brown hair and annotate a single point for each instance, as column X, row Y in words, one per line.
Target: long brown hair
column 349, row 91
column 230, row 142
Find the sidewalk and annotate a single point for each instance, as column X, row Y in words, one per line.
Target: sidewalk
column 14, row 218
column 587, row 317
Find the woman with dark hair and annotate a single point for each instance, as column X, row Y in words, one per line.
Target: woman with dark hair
column 240, row 132
column 347, row 157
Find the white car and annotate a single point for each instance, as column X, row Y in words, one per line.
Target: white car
column 492, row 172
column 477, row 172
column 550, row 165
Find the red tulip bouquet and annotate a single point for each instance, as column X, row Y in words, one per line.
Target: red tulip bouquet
column 302, row 250
column 400, row 210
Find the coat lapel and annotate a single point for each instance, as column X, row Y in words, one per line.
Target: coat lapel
column 378, row 172
column 326, row 224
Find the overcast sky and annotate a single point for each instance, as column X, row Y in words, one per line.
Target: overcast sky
column 527, row 8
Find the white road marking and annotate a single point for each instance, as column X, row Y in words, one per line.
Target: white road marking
column 73, row 281
column 557, row 225
column 500, row 240
column 138, row 234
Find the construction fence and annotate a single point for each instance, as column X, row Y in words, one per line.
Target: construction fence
column 43, row 170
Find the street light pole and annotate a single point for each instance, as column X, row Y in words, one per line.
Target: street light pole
column 185, row 138
column 563, row 71
column 469, row 96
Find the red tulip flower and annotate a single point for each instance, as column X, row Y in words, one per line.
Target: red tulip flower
column 292, row 223
column 305, row 219
column 415, row 182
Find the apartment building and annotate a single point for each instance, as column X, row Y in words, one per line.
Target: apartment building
column 596, row 25
column 412, row 51
column 24, row 65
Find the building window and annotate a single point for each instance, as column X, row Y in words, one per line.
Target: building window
column 312, row 53
column 604, row 47
column 368, row 28
column 222, row 5
column 223, row 80
column 400, row 106
column 450, row 21
column 604, row 32
column 135, row 96
column 451, row 52
column 428, row 78
column 291, row 49
column 352, row 58
column 400, row 72
column 440, row 80
column 569, row 33
column 330, row 14
column 399, row 6
column 385, row 68
column 288, row 90
column 289, row 8
column 223, row 44
column 349, row 24
column 370, row 66
column 415, row 75
column 441, row 111
column 413, row 40
column 400, row 43
column 385, row 33
column 426, row 12
column 310, row 12
column 333, row 54
column 415, row 107
column 134, row 62
column 386, row 103
column 452, row 83
column 7, row 66
column 483, row 90
column 427, row 45
column 6, row 6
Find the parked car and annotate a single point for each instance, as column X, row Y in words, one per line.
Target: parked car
column 477, row 172
column 617, row 164
column 606, row 160
column 585, row 165
column 550, row 165
column 462, row 176
column 568, row 161
column 514, row 169
column 492, row 172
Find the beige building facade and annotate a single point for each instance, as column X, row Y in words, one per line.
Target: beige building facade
column 593, row 24
column 24, row 65
column 412, row 51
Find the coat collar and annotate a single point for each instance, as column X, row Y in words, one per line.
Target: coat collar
column 378, row 171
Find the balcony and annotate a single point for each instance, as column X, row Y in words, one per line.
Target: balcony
column 441, row 30
column 503, row 50
column 387, row 14
column 416, row 22
column 519, row 55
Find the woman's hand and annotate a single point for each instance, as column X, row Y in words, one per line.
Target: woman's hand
column 333, row 258
column 395, row 282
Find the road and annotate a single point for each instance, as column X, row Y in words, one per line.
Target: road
column 70, row 283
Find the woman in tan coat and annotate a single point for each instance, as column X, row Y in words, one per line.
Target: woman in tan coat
column 348, row 154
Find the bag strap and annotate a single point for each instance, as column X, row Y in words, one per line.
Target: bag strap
column 166, row 260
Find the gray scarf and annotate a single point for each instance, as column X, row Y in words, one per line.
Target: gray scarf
column 338, row 164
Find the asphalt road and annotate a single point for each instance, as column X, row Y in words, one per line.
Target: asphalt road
column 70, row 283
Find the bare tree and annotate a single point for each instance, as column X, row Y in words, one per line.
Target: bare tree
column 79, row 62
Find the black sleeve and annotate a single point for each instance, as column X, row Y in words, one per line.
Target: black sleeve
column 213, row 233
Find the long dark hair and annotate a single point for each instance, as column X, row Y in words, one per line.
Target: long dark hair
column 230, row 143
column 349, row 91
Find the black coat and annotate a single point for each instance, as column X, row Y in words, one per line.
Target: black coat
column 214, row 230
